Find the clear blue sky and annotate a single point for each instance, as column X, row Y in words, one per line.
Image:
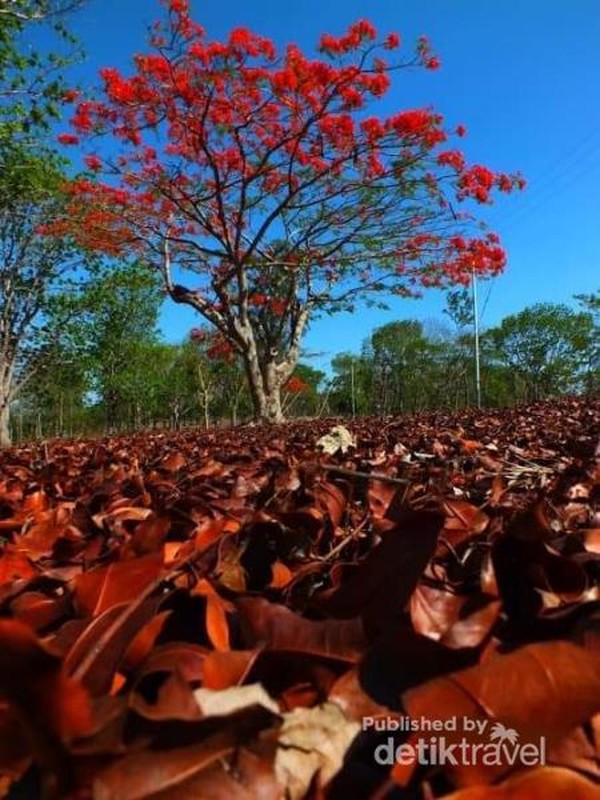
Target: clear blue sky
column 522, row 75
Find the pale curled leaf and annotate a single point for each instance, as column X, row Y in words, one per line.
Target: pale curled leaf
column 339, row 438
column 218, row 702
column 311, row 741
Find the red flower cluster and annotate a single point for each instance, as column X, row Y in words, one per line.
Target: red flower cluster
column 295, row 385
column 93, row 163
column 244, row 128
column 179, row 6
column 359, row 32
column 258, row 300
column 478, row 181
column 452, row 158
column 419, row 123
column 70, row 96
column 278, row 306
column 392, row 41
column 221, row 349
column 68, row 138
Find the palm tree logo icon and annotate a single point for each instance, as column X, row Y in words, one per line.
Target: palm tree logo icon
column 503, row 734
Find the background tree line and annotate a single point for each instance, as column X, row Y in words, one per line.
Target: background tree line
column 544, row 351
column 110, row 369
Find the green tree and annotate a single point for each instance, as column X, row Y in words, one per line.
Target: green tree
column 546, row 348
column 33, row 268
column 349, row 391
column 400, row 354
column 32, row 84
column 591, row 305
column 117, row 329
column 218, row 377
column 459, row 308
column 53, row 402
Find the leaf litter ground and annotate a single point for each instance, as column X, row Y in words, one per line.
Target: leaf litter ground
column 227, row 613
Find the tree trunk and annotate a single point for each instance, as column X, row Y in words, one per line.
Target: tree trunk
column 5, row 440
column 270, row 410
column 265, row 391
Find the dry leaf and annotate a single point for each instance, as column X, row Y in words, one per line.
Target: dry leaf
column 311, row 741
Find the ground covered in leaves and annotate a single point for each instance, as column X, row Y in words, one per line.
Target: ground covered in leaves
column 247, row 614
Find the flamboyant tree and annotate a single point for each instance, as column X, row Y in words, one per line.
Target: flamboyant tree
column 263, row 177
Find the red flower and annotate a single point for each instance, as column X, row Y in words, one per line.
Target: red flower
column 277, row 306
column 68, row 138
column 295, row 385
column 284, row 80
column 378, row 84
column 70, row 96
column 363, row 29
column 93, row 162
column 329, row 44
column 433, row 63
column 413, row 122
column 352, row 98
column 117, row 87
column 240, row 37
column 179, row 6
column 392, row 41
column 460, row 130
column 258, row 300
column 451, row 158
column 372, row 127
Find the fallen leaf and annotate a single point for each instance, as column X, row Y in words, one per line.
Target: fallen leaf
column 339, row 439
column 312, row 742
column 225, row 701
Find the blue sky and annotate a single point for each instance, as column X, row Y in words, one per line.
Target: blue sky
column 520, row 74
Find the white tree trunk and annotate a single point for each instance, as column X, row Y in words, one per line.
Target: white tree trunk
column 5, row 439
column 265, row 391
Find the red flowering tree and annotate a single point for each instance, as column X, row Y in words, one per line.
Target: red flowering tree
column 262, row 176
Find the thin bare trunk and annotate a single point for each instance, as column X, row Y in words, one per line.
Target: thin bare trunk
column 5, row 438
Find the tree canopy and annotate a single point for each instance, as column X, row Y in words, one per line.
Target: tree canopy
column 33, row 268
column 32, row 83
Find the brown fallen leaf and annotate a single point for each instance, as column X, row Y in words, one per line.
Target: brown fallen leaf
column 98, row 589
column 52, row 708
column 278, row 628
column 539, row 690
column 382, row 584
column 538, row 784
column 176, row 772
column 96, row 656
